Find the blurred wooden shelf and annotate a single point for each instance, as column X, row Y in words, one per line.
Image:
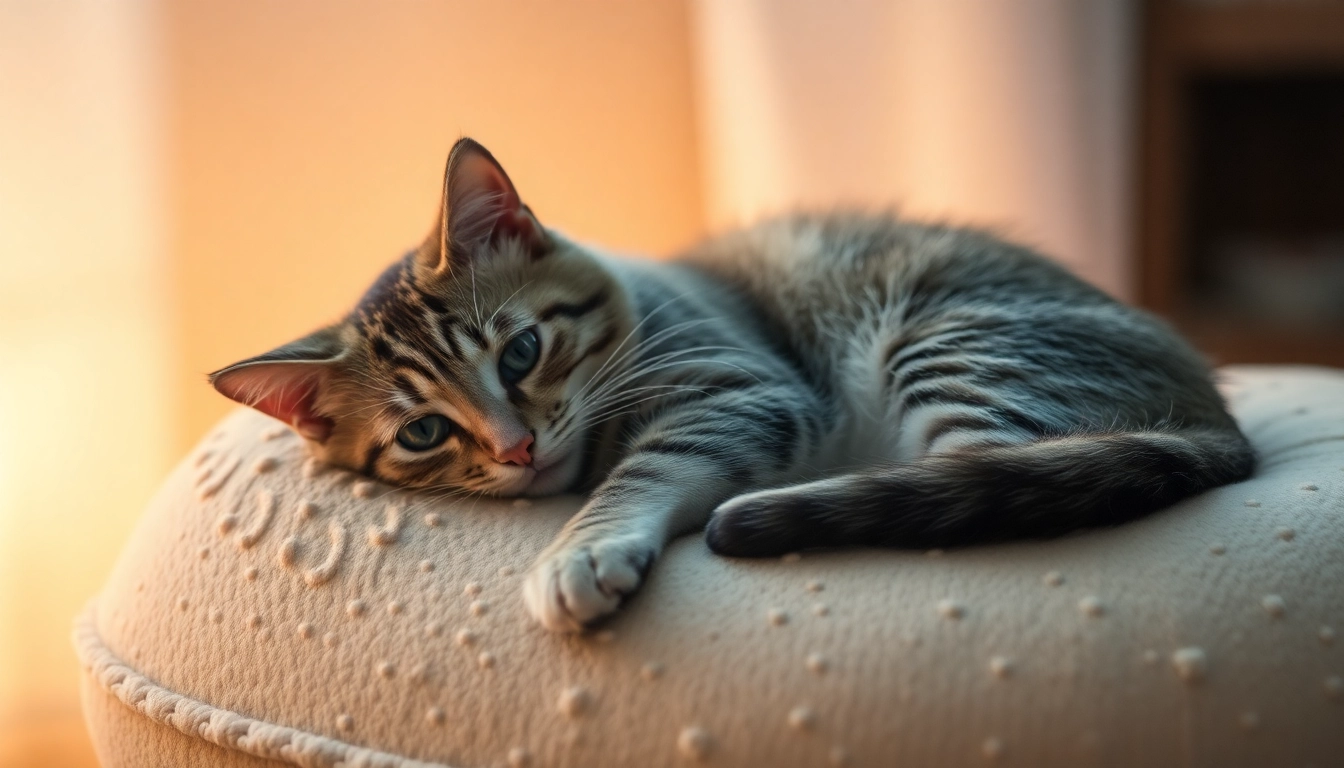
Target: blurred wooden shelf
column 1254, row 34
column 1232, row 341
column 1241, row 142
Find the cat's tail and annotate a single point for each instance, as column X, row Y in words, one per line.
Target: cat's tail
column 976, row 494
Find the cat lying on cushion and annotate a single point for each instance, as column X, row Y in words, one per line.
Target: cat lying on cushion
column 814, row 381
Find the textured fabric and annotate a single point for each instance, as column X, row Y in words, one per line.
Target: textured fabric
column 269, row 608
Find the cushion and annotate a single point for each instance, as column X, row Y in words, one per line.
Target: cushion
column 269, row 610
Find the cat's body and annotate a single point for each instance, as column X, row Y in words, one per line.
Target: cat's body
column 812, row 381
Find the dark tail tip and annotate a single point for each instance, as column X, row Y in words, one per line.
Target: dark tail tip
column 754, row 527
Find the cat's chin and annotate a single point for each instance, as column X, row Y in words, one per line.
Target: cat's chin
column 554, row 478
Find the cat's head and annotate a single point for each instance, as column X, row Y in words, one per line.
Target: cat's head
column 464, row 366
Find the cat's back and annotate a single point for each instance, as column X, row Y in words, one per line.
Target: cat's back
column 847, row 292
column 816, row 274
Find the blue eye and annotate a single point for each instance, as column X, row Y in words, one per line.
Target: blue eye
column 520, row 355
column 424, row 433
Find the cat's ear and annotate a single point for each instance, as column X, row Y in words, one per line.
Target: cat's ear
column 480, row 207
column 287, row 381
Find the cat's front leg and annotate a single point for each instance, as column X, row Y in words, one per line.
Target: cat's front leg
column 585, row 575
column 682, row 465
column 604, row 552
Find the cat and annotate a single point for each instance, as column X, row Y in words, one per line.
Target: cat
column 813, row 381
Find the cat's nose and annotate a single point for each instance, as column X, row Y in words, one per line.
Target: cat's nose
column 520, row 454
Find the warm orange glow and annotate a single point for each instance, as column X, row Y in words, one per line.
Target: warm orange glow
column 83, row 355
column 187, row 184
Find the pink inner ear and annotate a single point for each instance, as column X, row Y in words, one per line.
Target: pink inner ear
column 286, row 391
column 484, row 205
column 476, row 176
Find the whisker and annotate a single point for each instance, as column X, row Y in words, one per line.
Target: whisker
column 615, row 353
column 644, row 367
column 506, row 302
column 664, row 365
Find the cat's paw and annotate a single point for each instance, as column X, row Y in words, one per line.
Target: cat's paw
column 762, row 524
column 573, row 585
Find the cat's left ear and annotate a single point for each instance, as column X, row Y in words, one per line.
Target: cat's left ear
column 287, row 382
column 480, row 207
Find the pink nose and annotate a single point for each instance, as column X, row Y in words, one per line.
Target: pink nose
column 519, row 454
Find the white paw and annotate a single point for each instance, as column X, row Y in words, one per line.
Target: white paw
column 575, row 584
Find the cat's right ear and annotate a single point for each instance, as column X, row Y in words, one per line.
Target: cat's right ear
column 480, row 207
column 286, row 383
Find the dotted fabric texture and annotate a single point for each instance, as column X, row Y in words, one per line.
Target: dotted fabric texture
column 270, row 611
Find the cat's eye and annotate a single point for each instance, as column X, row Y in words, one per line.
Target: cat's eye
column 424, row 433
column 520, row 355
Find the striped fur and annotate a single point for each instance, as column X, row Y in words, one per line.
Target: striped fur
column 814, row 381
column 980, row 391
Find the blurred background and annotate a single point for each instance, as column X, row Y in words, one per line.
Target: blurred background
column 186, row 183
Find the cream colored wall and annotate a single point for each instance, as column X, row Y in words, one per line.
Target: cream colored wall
column 84, row 359
column 184, row 184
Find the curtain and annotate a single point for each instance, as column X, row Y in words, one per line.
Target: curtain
column 1012, row 115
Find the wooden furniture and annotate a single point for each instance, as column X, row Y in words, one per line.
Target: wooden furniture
column 1241, row 183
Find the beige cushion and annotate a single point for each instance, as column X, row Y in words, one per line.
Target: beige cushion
column 269, row 610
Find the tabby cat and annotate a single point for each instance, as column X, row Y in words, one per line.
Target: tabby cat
column 814, row 381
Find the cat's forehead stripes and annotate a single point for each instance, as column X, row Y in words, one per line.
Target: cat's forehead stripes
column 408, row 390
column 396, row 307
column 441, row 330
column 432, row 302
column 401, row 359
column 574, row 311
